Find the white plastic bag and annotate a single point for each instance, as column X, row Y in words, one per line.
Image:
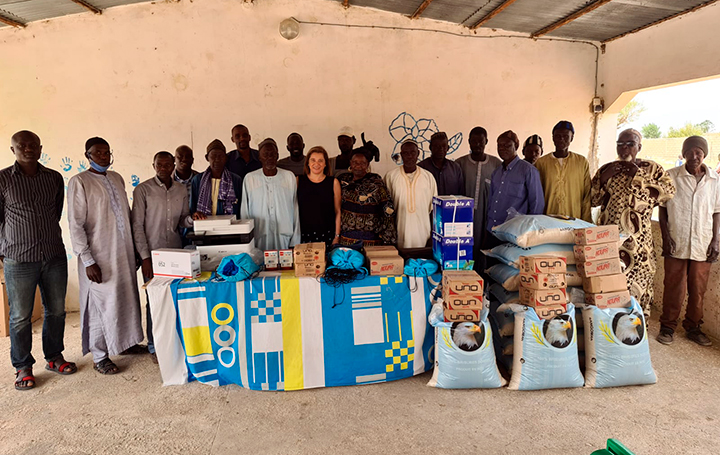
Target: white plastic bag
column 532, row 230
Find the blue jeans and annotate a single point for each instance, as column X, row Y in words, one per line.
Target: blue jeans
column 21, row 280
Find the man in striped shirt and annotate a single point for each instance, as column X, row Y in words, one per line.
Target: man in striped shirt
column 33, row 254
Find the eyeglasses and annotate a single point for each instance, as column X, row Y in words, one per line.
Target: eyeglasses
column 626, row 144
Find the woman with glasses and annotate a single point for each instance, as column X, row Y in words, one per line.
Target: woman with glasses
column 627, row 191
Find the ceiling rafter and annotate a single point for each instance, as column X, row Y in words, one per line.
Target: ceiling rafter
column 346, row 3
column 567, row 19
column 88, row 6
column 499, row 9
column 681, row 13
column 420, row 9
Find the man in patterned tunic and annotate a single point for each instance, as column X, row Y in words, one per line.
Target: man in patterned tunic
column 627, row 190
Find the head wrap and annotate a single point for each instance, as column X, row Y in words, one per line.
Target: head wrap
column 533, row 140
column 216, row 145
column 695, row 141
column 565, row 125
column 510, row 134
column 95, row 141
column 268, row 141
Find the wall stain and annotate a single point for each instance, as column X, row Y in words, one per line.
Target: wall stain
column 180, row 82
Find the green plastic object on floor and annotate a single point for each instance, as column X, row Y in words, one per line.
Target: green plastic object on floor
column 614, row 447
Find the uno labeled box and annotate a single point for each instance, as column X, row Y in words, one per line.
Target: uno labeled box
column 175, row 262
column 597, row 234
column 542, row 297
column 543, row 280
column 551, row 311
column 309, row 269
column 463, row 302
column 462, row 282
column 543, row 264
column 461, row 315
column 605, row 284
column 600, row 267
column 309, row 252
column 618, row 299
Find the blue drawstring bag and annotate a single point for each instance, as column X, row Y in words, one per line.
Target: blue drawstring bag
column 237, row 267
column 421, row 267
column 346, row 266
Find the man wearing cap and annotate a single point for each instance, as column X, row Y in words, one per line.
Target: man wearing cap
column 294, row 163
column 690, row 226
column 565, row 177
column 243, row 159
column 477, row 169
column 447, row 173
column 33, row 254
column 532, row 149
column 412, row 189
column 101, row 235
column 346, row 141
column 216, row 191
column 270, row 198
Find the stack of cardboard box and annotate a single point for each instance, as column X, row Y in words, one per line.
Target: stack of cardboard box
column 384, row 260
column 452, row 232
column 462, row 293
column 543, row 285
column 309, row 259
column 597, row 251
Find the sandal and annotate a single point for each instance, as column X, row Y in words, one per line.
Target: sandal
column 136, row 349
column 22, row 377
column 106, row 367
column 59, row 365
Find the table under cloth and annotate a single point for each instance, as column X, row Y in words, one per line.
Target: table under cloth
column 279, row 332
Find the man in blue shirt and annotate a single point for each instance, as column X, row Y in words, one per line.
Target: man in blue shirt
column 243, row 159
column 448, row 174
column 514, row 185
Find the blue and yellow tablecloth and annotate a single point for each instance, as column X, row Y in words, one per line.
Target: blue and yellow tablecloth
column 279, row 332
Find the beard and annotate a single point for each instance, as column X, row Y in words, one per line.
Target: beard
column 629, row 157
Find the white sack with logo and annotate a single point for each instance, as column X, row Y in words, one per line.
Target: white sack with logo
column 531, row 230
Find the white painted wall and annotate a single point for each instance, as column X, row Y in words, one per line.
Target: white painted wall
column 150, row 77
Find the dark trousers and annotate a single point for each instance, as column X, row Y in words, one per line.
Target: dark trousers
column 21, row 280
column 684, row 276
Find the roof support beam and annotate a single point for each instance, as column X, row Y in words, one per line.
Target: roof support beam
column 88, row 6
column 567, row 19
column 499, row 9
column 691, row 10
column 346, row 3
column 8, row 21
column 420, row 9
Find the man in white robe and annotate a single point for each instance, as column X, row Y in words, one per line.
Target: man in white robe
column 269, row 197
column 412, row 189
column 101, row 235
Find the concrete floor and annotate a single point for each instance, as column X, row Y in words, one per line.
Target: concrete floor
column 132, row 413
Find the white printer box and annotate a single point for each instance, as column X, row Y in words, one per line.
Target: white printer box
column 176, row 263
column 211, row 255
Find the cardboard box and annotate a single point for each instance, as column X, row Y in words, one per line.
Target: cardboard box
column 463, row 302
column 309, row 269
column 453, row 216
column 381, row 250
column 584, row 253
column 174, row 262
column 573, row 279
column 618, row 299
column 385, row 264
column 599, row 268
column 462, row 282
column 597, row 234
column 605, row 284
column 542, row 297
column 37, row 312
column 285, row 259
column 461, row 315
column 543, row 264
column 453, row 253
column 272, row 259
column 542, row 280
column 551, row 311
column 309, row 252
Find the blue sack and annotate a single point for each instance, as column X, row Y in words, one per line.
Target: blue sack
column 421, row 267
column 237, row 267
column 346, row 259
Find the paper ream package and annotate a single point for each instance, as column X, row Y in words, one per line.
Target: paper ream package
column 453, row 216
column 542, row 280
column 543, row 264
column 600, row 267
column 535, row 298
column 584, row 253
column 617, row 299
column 453, row 253
column 605, row 284
column 597, row 234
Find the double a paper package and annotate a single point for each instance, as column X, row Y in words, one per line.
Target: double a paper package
column 531, row 230
column 509, row 254
column 464, row 354
column 545, row 354
column 616, row 347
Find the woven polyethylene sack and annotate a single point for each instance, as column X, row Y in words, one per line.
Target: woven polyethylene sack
column 509, row 254
column 531, row 230
column 464, row 354
column 545, row 354
column 508, row 277
column 617, row 351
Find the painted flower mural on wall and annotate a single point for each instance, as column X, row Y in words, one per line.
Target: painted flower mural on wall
column 405, row 127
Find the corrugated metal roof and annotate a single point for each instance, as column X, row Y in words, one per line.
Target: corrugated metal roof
column 613, row 18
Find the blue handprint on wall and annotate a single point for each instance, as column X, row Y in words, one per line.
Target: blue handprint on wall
column 134, row 180
column 44, row 159
column 405, row 127
column 67, row 164
column 82, row 166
